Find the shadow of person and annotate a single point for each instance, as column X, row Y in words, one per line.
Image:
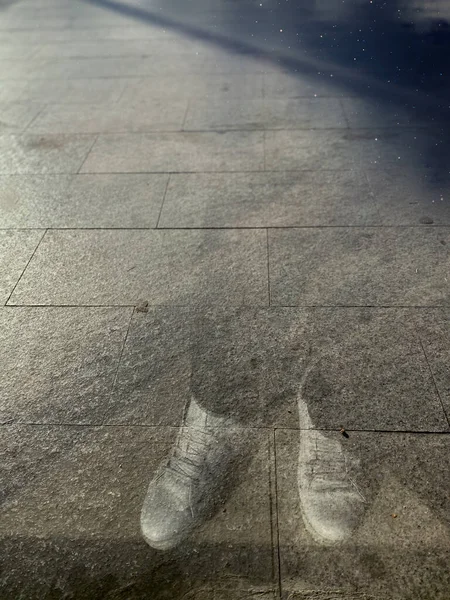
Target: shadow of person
column 392, row 55
column 307, row 370
column 247, row 367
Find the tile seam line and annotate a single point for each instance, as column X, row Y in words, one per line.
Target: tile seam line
column 36, row 116
column 98, row 425
column 269, row 291
column 77, row 306
column 233, row 129
column 244, row 306
column 171, row 171
column 280, row 581
column 26, row 266
column 186, row 112
column 264, row 149
column 181, row 172
column 116, row 103
column 153, row 77
column 281, row 171
column 219, row 130
column 271, row 500
column 162, row 204
column 96, row 136
column 344, row 112
column 446, row 416
column 231, row 228
column 224, row 73
column 153, row 131
column 116, row 373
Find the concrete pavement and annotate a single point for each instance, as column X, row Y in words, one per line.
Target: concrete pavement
column 194, row 201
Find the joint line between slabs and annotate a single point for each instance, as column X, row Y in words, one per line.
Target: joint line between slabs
column 119, row 362
column 163, row 200
column 25, row 268
column 280, row 584
column 88, row 153
column 434, row 380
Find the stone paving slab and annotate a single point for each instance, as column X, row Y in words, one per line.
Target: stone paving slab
column 329, row 595
column 164, row 152
column 153, row 384
column 46, row 8
column 125, row 32
column 85, row 542
column 40, row 154
column 365, row 113
column 68, row 201
column 130, row 66
column 16, row 249
column 13, row 51
column 434, row 332
column 269, row 200
column 223, row 88
column 405, row 556
column 286, row 85
column 133, row 47
column 261, row 594
column 84, row 68
column 20, row 22
column 362, row 148
column 73, row 493
column 356, row 368
column 267, row 113
column 396, row 147
column 17, row 117
column 81, row 19
column 20, row 68
column 372, row 372
column 219, row 112
column 70, row 91
column 309, row 150
column 348, row 266
column 304, row 113
column 406, row 198
column 125, row 267
column 58, row 365
column 159, row 115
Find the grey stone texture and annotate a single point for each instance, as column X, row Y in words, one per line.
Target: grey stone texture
column 125, row 267
column 401, row 544
column 71, row 201
column 16, row 249
column 252, row 365
column 84, row 540
column 58, row 365
column 40, row 154
column 168, row 152
column 17, row 117
column 359, row 267
column 88, row 118
column 243, row 204
column 269, row 199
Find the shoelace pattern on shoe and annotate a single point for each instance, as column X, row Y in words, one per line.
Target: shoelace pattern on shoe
column 188, row 455
column 329, row 466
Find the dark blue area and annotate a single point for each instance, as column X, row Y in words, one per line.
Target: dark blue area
column 388, row 52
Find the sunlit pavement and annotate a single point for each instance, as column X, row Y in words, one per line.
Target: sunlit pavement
column 245, row 203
